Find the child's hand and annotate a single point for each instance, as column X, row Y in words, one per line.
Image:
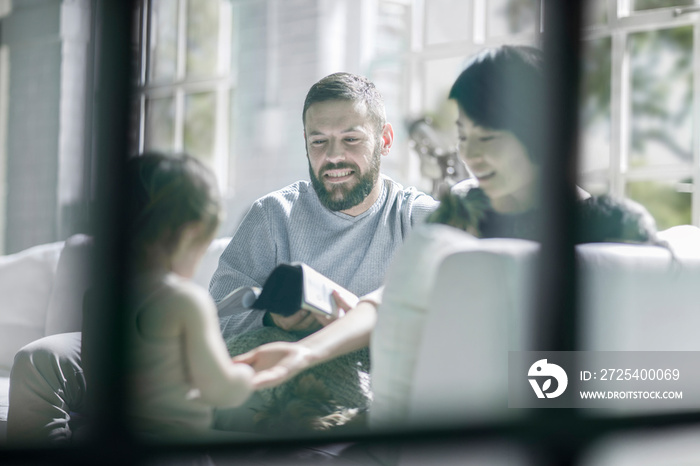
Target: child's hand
column 275, row 363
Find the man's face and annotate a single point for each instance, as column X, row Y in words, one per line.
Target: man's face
column 344, row 148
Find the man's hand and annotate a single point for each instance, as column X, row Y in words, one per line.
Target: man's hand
column 275, row 363
column 300, row 320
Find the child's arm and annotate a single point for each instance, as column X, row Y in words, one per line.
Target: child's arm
column 191, row 313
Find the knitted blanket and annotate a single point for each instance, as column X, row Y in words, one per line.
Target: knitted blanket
column 324, row 396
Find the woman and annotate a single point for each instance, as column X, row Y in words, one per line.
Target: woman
column 499, row 97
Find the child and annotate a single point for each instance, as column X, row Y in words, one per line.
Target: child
column 179, row 366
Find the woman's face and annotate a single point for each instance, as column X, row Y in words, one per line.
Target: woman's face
column 501, row 164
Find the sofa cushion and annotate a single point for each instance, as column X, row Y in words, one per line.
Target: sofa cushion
column 641, row 298
column 453, row 307
column 26, row 281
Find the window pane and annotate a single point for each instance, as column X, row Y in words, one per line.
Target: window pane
column 200, row 111
column 164, row 40
column 506, row 17
column 668, row 202
column 393, row 29
column 661, row 122
column 442, row 113
column 595, row 12
column 595, row 112
column 446, row 20
column 640, row 5
column 439, row 77
column 160, row 123
column 202, row 37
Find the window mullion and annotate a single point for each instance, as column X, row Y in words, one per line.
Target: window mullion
column 221, row 125
column 479, row 33
column 145, row 63
column 419, row 26
column 178, row 143
column 223, row 62
column 181, row 61
column 180, row 74
column 619, row 112
column 146, row 10
column 142, row 123
column 695, row 202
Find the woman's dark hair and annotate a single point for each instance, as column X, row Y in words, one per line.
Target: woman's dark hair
column 166, row 192
column 503, row 89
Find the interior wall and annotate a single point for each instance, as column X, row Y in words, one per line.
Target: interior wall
column 47, row 62
column 284, row 47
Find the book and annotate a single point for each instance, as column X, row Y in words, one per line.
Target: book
column 288, row 288
column 238, row 300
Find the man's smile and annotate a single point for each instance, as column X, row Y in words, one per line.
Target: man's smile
column 338, row 175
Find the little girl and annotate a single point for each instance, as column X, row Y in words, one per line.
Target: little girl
column 179, row 365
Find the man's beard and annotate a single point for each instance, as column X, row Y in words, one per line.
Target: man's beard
column 340, row 197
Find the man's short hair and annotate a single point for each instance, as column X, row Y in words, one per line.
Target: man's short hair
column 350, row 87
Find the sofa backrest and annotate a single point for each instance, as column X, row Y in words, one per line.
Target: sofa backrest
column 481, row 306
column 26, row 281
column 638, row 298
column 41, row 290
column 633, row 297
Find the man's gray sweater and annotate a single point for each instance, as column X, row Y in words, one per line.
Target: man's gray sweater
column 292, row 225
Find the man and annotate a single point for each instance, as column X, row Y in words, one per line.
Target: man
column 346, row 222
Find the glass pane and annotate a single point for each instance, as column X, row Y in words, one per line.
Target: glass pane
column 595, row 109
column 200, row 112
column 393, row 29
column 508, row 17
column 202, row 37
column 662, row 96
column 163, row 40
column 389, row 77
column 160, row 124
column 595, row 12
column 439, row 77
column 446, row 20
column 640, row 5
column 668, row 202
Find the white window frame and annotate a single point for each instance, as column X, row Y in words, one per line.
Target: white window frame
column 421, row 53
column 621, row 23
column 223, row 85
column 4, row 112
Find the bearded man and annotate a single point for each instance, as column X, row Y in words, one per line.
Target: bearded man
column 346, row 222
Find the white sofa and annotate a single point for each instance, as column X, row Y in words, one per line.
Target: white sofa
column 628, row 296
column 468, row 303
column 41, row 292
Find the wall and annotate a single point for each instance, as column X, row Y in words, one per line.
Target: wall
column 46, row 46
column 284, row 47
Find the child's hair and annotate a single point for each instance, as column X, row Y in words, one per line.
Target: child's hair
column 166, row 193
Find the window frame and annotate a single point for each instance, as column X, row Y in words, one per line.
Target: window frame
column 222, row 84
column 621, row 23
